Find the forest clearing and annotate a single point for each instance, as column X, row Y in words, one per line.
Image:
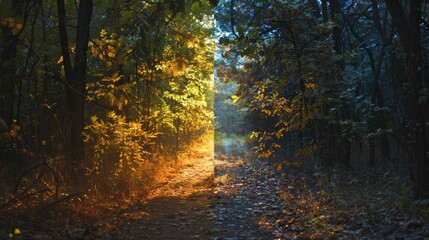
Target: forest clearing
column 207, row 119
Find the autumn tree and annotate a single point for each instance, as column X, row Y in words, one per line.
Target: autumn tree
column 336, row 80
column 291, row 75
column 129, row 81
column 158, row 77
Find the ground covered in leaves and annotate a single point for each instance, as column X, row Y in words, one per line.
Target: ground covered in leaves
column 236, row 196
column 261, row 200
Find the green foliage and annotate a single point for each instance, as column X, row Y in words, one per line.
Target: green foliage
column 154, row 68
column 231, row 115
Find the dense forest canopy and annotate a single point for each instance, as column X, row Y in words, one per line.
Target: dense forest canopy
column 98, row 88
column 343, row 82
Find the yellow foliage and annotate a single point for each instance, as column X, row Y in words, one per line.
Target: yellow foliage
column 14, row 25
column 310, row 86
column 110, row 49
column 117, row 147
column 235, row 98
column 254, row 135
column 60, row 60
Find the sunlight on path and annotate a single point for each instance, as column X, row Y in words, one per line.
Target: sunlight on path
column 180, row 207
column 192, row 178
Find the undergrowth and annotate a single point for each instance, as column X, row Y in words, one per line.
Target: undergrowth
column 339, row 202
column 122, row 173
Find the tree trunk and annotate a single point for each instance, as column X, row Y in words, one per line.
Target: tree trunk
column 377, row 96
column 419, row 108
column 7, row 82
column 325, row 10
column 75, row 77
column 344, row 111
column 409, row 34
column 76, row 99
column 313, row 4
column 8, row 66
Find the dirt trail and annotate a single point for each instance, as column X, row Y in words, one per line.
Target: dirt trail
column 238, row 204
column 179, row 208
column 233, row 197
column 245, row 197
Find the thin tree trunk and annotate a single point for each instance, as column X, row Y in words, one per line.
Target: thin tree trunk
column 419, row 108
column 325, row 10
column 75, row 77
column 8, row 66
column 344, row 111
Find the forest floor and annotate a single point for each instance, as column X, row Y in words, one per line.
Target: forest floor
column 180, row 207
column 256, row 199
column 253, row 199
column 239, row 197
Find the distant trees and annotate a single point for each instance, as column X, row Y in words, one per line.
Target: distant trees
column 230, row 117
column 342, row 81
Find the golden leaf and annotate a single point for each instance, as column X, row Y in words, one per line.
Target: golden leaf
column 60, row 60
column 235, row 98
column 279, row 166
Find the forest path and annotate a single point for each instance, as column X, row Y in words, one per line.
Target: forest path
column 239, row 203
column 256, row 199
column 246, row 200
column 249, row 199
column 181, row 207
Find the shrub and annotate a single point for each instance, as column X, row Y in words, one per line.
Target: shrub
column 116, row 147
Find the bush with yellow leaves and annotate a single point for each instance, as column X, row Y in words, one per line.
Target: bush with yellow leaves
column 116, row 151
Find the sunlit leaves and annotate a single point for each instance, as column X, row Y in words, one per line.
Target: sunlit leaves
column 254, row 135
column 184, row 74
column 110, row 90
column 14, row 25
column 110, row 49
column 156, row 77
column 235, row 98
column 281, row 57
column 117, row 148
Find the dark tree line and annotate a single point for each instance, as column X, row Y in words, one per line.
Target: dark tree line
column 345, row 82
